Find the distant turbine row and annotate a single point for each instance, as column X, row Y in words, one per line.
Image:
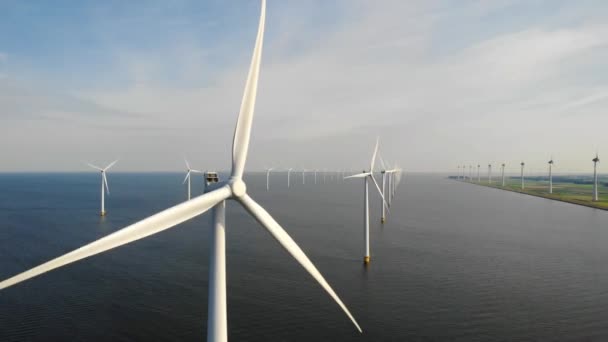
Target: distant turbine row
column 551, row 163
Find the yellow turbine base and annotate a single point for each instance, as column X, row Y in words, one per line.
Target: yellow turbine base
column 382, row 220
column 366, row 260
column 103, row 213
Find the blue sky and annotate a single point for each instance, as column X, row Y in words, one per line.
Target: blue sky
column 152, row 81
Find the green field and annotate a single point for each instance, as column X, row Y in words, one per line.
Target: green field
column 562, row 191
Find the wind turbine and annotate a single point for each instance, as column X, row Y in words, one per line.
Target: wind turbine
column 189, row 172
column 551, row 175
column 235, row 189
column 503, row 173
column 315, row 176
column 478, row 174
column 489, row 173
column 366, row 176
column 104, row 184
column 268, row 178
column 470, row 173
column 393, row 179
column 390, row 192
column 386, row 189
column 523, row 185
column 595, row 192
column 303, row 176
column 288, row 173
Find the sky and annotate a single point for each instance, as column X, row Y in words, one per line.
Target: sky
column 441, row 83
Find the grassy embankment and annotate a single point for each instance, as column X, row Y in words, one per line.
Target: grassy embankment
column 562, row 191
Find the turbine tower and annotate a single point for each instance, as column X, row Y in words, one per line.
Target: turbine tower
column 383, row 216
column 523, row 185
column 268, row 178
column 386, row 189
column 478, row 174
column 551, row 175
column 503, row 174
column 104, row 184
column 189, row 171
column 595, row 191
column 288, row 174
column 470, row 173
column 366, row 176
column 303, row 176
column 390, row 186
column 234, row 188
column 489, row 173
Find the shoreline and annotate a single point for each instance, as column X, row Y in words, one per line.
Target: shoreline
column 531, row 194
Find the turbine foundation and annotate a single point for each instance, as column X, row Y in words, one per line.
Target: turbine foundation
column 366, row 260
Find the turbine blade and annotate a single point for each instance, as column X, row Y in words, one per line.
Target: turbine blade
column 111, row 164
column 371, row 168
column 187, row 164
column 264, row 218
column 95, row 167
column 382, row 163
column 146, row 227
column 187, row 176
column 242, row 132
column 359, row 175
column 105, row 181
column 379, row 191
column 196, row 171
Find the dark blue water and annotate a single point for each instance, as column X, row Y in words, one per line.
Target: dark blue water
column 454, row 262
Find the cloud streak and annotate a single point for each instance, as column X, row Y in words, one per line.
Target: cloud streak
column 475, row 83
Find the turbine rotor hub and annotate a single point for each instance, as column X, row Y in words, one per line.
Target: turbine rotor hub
column 238, row 187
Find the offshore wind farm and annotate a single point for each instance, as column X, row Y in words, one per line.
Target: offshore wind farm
column 303, row 171
column 581, row 188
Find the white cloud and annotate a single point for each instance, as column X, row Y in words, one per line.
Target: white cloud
column 379, row 69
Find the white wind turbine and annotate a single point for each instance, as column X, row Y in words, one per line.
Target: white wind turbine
column 393, row 175
column 489, row 173
column 503, row 173
column 268, row 178
column 551, row 175
column 595, row 160
column 188, row 178
column 523, row 185
column 104, row 184
column 303, row 176
column 478, row 174
column 289, row 174
column 366, row 176
column 389, row 185
column 386, row 189
column 235, row 189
